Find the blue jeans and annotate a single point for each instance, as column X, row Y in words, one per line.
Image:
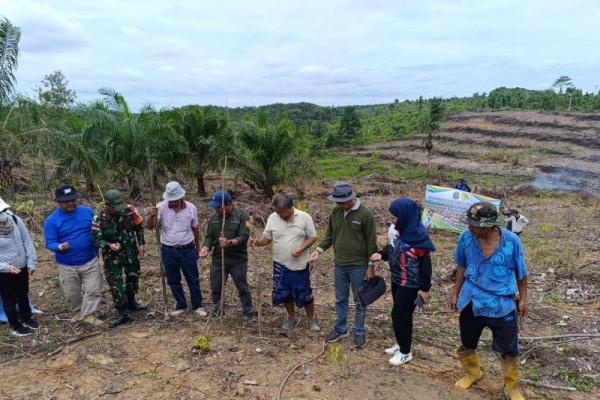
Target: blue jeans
column 177, row 261
column 346, row 277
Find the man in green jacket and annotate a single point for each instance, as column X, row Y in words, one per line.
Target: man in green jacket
column 351, row 230
column 234, row 240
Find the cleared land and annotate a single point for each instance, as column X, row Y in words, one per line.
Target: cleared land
column 154, row 359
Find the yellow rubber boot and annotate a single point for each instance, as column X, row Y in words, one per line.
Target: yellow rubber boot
column 470, row 362
column 510, row 372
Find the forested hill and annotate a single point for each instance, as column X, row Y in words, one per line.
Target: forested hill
column 569, row 99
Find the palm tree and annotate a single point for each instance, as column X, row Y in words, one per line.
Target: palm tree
column 9, row 53
column 267, row 156
column 27, row 134
column 125, row 137
column 208, row 139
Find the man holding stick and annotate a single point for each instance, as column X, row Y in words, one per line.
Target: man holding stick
column 292, row 232
column 231, row 236
column 179, row 238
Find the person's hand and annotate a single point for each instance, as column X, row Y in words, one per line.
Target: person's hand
column 370, row 272
column 424, row 295
column 223, row 242
column 411, row 253
column 13, row 270
column 152, row 211
column 141, row 250
column 453, row 300
column 314, row 256
column 297, row 252
column 115, row 246
column 63, row 246
column 203, row 251
column 375, row 257
column 251, row 242
column 523, row 308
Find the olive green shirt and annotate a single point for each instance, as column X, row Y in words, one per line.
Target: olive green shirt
column 353, row 236
column 237, row 227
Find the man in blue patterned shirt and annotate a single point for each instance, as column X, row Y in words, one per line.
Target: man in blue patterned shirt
column 491, row 267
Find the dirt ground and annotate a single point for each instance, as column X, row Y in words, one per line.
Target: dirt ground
column 155, row 358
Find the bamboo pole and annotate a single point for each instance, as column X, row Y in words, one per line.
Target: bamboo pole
column 157, row 231
column 222, row 305
column 257, row 277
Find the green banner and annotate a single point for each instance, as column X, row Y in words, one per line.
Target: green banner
column 444, row 207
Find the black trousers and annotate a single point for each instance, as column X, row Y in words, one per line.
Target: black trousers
column 402, row 315
column 239, row 274
column 505, row 331
column 14, row 290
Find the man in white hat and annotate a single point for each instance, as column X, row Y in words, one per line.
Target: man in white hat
column 179, row 239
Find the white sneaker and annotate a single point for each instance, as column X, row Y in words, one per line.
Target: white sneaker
column 392, row 350
column 176, row 313
column 201, row 312
column 400, row 358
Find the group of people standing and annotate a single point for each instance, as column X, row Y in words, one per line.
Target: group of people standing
column 490, row 265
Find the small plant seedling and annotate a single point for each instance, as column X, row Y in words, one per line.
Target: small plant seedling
column 337, row 355
column 202, row 344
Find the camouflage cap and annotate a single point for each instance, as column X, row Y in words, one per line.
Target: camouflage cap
column 483, row 215
column 114, row 199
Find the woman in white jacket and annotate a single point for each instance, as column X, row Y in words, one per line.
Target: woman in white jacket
column 18, row 259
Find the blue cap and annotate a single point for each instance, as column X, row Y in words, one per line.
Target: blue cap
column 218, row 198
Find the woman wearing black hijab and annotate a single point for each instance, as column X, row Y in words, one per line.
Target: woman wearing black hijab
column 410, row 266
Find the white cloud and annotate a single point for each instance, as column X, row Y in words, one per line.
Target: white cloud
column 334, row 52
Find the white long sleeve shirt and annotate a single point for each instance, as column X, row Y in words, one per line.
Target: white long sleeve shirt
column 17, row 248
column 517, row 224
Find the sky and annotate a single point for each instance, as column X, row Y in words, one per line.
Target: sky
column 328, row 52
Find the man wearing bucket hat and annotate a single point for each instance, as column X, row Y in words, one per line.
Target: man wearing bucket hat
column 119, row 233
column 234, row 241
column 491, row 267
column 18, row 260
column 351, row 230
column 179, row 238
column 68, row 234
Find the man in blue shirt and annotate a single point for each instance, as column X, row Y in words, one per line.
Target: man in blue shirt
column 68, row 233
column 491, row 267
column 461, row 184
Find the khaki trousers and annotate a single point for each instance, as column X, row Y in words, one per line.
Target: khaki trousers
column 82, row 286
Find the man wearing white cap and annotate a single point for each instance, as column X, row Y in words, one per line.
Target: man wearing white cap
column 179, row 239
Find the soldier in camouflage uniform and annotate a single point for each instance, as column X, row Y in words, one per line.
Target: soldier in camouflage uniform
column 119, row 233
column 234, row 241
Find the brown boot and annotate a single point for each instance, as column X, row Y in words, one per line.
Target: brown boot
column 510, row 372
column 470, row 362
